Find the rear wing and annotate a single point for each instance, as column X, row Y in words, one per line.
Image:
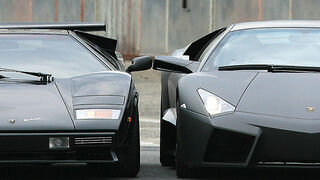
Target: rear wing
column 62, row 26
column 107, row 44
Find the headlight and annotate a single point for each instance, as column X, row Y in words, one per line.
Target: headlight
column 98, row 114
column 213, row 104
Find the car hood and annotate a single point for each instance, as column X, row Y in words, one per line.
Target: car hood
column 292, row 95
column 35, row 106
column 32, row 106
column 275, row 94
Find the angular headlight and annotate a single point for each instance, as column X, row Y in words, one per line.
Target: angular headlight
column 213, row 104
column 97, row 114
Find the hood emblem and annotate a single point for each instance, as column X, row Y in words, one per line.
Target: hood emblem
column 310, row 109
column 12, row 121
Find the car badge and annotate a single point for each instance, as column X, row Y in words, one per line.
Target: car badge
column 310, row 109
column 12, row 121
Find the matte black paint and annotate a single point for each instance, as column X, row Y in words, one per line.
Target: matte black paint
column 270, row 106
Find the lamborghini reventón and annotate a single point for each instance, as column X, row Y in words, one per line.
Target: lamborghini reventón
column 65, row 98
column 243, row 96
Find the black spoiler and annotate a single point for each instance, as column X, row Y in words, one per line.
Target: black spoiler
column 62, row 26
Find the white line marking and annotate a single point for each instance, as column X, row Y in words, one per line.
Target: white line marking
column 143, row 143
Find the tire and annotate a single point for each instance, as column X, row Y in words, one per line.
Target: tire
column 131, row 166
column 167, row 142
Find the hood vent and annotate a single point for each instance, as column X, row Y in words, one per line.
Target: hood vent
column 93, row 140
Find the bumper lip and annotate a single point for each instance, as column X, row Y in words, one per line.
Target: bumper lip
column 24, row 162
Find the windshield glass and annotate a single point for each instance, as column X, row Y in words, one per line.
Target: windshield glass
column 58, row 55
column 293, row 47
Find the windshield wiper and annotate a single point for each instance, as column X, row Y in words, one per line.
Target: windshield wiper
column 269, row 68
column 43, row 76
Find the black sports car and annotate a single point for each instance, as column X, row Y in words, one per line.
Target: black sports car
column 243, row 96
column 66, row 99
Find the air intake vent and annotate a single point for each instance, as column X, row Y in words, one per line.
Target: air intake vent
column 93, row 140
column 228, row 147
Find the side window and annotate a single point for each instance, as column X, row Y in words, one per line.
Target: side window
column 196, row 48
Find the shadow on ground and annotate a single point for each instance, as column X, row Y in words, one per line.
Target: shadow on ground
column 153, row 172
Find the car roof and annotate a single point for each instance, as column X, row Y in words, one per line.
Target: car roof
column 277, row 24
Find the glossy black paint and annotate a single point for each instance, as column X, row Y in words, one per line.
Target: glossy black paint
column 63, row 26
column 32, row 111
column 25, row 102
column 107, row 84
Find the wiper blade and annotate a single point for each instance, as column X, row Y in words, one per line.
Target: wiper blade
column 295, row 68
column 43, row 76
column 247, row 67
column 269, row 68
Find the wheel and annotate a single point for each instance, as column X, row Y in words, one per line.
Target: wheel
column 167, row 142
column 131, row 166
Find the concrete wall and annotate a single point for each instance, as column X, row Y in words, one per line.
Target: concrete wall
column 186, row 25
column 156, row 26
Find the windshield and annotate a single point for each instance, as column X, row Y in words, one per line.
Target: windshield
column 291, row 47
column 58, row 55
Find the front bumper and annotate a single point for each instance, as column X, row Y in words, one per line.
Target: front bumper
column 33, row 148
column 247, row 140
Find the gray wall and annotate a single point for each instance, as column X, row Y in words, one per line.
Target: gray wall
column 156, row 26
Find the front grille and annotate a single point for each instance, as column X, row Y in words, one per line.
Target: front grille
column 228, row 147
column 92, row 140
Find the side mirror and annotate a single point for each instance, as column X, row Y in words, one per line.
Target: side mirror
column 140, row 64
column 173, row 64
